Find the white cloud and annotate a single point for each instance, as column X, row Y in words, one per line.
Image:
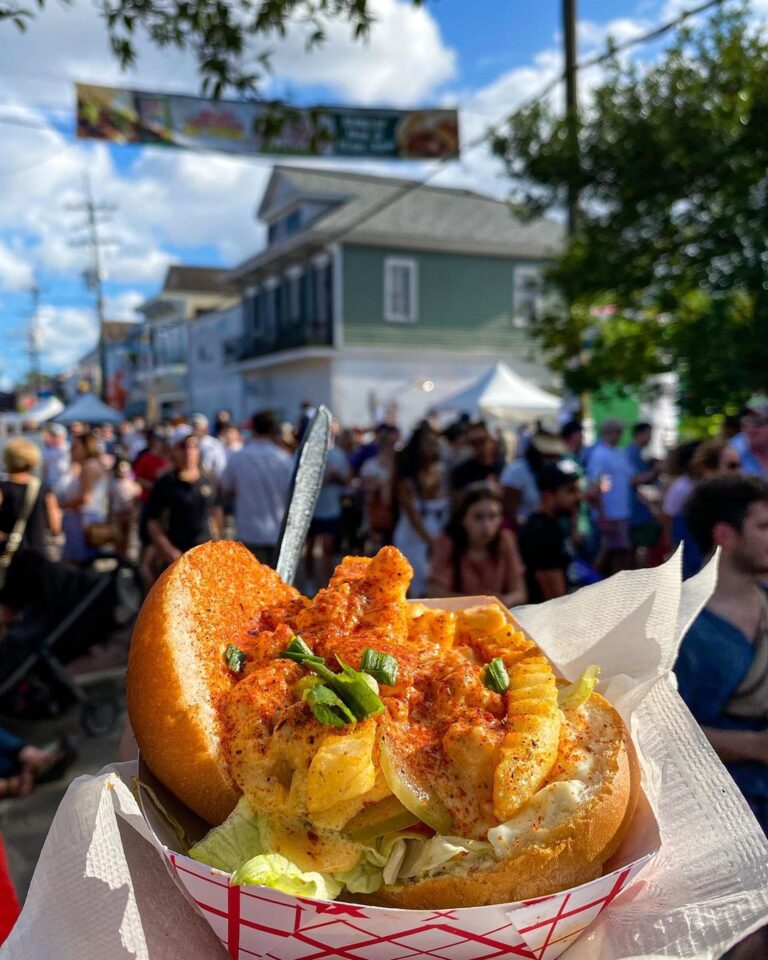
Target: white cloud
column 66, row 333
column 123, row 307
column 402, row 63
column 15, row 271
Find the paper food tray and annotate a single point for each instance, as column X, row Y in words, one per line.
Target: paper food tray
column 254, row 921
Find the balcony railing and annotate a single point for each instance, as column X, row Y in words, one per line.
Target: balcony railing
column 305, row 334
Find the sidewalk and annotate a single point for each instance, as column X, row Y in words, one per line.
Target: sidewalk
column 24, row 823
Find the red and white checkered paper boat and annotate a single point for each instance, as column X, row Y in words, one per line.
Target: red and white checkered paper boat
column 260, row 922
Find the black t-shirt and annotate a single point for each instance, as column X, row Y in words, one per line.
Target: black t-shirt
column 183, row 508
column 543, row 544
column 10, row 507
column 472, row 471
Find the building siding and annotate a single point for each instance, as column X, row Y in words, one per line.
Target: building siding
column 464, row 302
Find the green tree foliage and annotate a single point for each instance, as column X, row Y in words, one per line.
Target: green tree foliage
column 226, row 36
column 669, row 267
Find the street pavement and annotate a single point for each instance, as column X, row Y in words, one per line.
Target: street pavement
column 24, row 822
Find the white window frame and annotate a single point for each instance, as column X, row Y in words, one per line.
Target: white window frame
column 294, row 275
column 399, row 263
column 520, row 276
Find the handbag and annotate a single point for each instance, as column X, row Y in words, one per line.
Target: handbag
column 99, row 533
column 16, row 535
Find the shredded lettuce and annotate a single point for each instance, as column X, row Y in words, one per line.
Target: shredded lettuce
column 580, row 691
column 228, row 846
column 240, row 847
column 274, row 870
column 424, row 858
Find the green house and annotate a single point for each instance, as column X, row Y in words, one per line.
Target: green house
column 379, row 296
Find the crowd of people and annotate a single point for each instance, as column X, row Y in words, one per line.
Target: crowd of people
column 533, row 513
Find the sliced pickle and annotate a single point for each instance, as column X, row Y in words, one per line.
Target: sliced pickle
column 413, row 795
column 378, row 819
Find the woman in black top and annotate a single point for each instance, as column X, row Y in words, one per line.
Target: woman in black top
column 182, row 511
column 22, row 458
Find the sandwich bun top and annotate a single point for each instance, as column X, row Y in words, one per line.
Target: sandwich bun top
column 203, row 602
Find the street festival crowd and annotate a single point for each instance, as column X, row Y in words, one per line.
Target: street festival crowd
column 526, row 515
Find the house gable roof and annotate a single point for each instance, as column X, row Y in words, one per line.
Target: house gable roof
column 372, row 209
column 184, row 279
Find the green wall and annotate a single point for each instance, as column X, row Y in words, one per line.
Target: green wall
column 465, row 302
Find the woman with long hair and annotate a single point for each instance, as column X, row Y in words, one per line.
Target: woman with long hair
column 21, row 458
column 476, row 555
column 85, row 498
column 422, row 497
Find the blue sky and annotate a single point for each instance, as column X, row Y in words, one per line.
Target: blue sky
column 483, row 56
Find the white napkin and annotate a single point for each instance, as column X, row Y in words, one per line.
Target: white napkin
column 100, row 891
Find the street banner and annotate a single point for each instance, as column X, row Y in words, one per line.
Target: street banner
column 251, row 127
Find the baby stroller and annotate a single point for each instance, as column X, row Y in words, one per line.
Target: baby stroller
column 64, row 612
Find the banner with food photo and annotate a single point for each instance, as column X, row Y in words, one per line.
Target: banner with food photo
column 250, row 127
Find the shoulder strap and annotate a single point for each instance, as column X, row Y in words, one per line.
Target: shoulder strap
column 17, row 534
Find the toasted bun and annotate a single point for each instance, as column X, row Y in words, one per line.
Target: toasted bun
column 572, row 853
column 176, row 669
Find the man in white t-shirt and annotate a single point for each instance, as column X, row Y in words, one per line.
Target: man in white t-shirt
column 258, row 477
column 213, row 457
column 609, row 473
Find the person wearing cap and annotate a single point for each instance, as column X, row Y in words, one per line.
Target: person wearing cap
column 754, row 424
column 257, row 479
column 520, row 490
column 213, row 457
column 609, row 473
column 544, row 542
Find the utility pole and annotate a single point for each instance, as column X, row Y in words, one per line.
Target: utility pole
column 33, row 337
column 571, row 105
column 94, row 218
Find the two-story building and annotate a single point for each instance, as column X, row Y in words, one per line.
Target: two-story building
column 376, row 294
column 187, row 292
column 212, row 386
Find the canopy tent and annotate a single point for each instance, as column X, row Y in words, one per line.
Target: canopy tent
column 43, row 410
column 501, row 392
column 87, row 408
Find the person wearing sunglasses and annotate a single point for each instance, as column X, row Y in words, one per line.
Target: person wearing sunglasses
column 754, row 425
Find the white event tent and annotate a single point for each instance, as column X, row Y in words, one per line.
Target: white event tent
column 500, row 392
column 87, row 408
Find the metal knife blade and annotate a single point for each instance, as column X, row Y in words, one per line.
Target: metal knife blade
column 303, row 492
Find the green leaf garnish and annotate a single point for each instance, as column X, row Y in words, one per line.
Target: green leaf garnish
column 496, row 677
column 382, row 666
column 235, row 658
column 328, row 707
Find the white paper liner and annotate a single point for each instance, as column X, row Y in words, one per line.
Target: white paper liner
column 705, row 889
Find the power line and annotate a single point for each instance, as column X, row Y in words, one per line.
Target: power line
column 94, row 276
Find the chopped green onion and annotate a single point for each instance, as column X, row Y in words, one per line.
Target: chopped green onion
column 299, row 652
column 235, row 658
column 382, row 666
column 354, row 689
column 303, row 686
column 328, row 707
column 496, row 677
column 358, row 691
